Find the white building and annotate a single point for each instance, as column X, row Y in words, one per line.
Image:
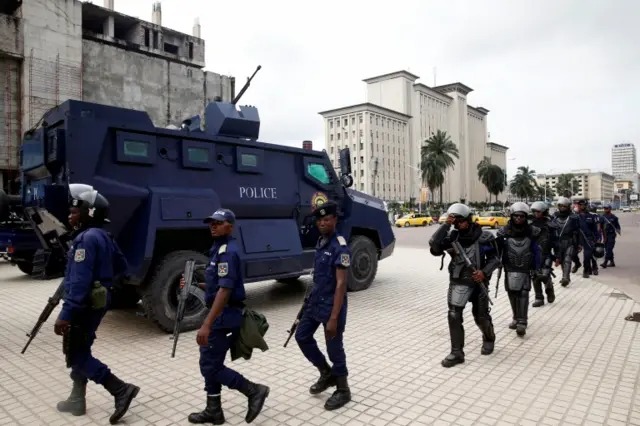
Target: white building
column 595, row 186
column 623, row 160
column 379, row 141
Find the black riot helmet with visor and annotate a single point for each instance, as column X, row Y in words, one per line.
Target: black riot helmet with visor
column 460, row 212
column 93, row 206
column 541, row 207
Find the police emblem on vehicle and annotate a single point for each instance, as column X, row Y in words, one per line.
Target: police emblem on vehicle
column 345, row 259
column 318, row 199
column 223, row 269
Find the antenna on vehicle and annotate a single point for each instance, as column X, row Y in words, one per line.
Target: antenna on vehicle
column 246, row 86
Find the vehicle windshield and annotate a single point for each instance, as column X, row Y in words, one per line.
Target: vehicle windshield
column 488, row 214
column 407, row 216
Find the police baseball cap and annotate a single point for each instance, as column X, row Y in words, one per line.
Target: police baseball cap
column 221, row 215
column 327, row 209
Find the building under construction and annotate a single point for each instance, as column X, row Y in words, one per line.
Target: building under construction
column 54, row 50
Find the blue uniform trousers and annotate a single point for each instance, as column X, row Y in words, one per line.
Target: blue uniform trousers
column 335, row 348
column 587, row 252
column 609, row 246
column 83, row 364
column 212, row 362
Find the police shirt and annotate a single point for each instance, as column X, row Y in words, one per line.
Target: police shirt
column 589, row 224
column 610, row 223
column 93, row 256
column 224, row 271
column 331, row 253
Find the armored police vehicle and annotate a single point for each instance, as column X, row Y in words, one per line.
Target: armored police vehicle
column 161, row 184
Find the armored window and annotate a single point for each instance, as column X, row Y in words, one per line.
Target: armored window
column 136, row 149
column 198, row 155
column 318, row 172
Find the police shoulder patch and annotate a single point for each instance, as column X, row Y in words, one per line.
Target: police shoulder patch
column 223, row 269
column 222, row 249
column 79, row 255
column 341, row 240
column 345, row 259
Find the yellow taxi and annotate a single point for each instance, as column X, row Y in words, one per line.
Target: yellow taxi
column 492, row 219
column 414, row 219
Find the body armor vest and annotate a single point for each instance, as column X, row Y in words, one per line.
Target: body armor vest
column 519, row 254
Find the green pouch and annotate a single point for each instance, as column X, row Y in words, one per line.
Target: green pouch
column 98, row 296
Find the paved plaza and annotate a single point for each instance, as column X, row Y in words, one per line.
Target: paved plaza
column 579, row 363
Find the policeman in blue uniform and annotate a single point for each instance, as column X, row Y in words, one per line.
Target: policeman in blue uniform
column 327, row 305
column 593, row 209
column 94, row 262
column 224, row 295
column 589, row 234
column 611, row 227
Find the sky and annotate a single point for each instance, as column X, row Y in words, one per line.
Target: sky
column 560, row 77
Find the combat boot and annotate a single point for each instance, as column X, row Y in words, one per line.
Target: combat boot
column 575, row 268
column 456, row 332
column 488, row 336
column 565, row 282
column 539, row 299
column 605, row 264
column 512, row 300
column 211, row 414
column 341, row 396
column 551, row 294
column 522, row 312
column 123, row 393
column 612, row 264
column 76, row 404
column 256, row 395
column 326, row 380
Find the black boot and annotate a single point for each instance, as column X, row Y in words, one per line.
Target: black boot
column 76, row 404
column 612, row 264
column 456, row 332
column 605, row 264
column 576, row 267
column 537, row 288
column 522, row 312
column 211, row 414
column 341, row 396
column 488, row 335
column 512, row 300
column 326, row 380
column 123, row 393
column 594, row 267
column 551, row 294
column 585, row 273
column 256, row 395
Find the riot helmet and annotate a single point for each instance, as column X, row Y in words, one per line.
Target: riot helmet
column 93, row 206
column 539, row 207
column 459, row 210
column 519, row 214
column 598, row 250
column 563, row 203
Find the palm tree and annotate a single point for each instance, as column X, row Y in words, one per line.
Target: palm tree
column 436, row 156
column 523, row 184
column 491, row 176
column 544, row 190
column 567, row 185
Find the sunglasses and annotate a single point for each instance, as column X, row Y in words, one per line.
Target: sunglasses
column 519, row 216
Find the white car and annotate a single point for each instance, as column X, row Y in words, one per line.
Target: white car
column 626, row 209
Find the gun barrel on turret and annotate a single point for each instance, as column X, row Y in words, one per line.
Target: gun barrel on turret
column 246, row 86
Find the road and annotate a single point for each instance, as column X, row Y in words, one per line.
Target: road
column 578, row 364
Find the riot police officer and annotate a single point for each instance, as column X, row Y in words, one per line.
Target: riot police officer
column 567, row 227
column 589, row 234
column 327, row 305
column 517, row 242
column 547, row 243
column 593, row 209
column 224, row 296
column 94, row 262
column 464, row 282
column 611, row 227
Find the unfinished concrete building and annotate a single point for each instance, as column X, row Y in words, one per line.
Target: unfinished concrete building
column 54, row 50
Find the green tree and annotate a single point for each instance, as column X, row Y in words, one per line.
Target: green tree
column 491, row 176
column 567, row 185
column 540, row 191
column 523, row 184
column 436, row 156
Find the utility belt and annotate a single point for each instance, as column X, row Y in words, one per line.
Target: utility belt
column 230, row 304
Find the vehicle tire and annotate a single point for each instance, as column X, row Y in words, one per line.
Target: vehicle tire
column 424, row 223
column 160, row 296
column 406, row 224
column 125, row 297
column 364, row 263
column 495, row 225
column 25, row 267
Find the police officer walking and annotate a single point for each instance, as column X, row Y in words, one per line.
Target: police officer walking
column 547, row 242
column 464, row 282
column 327, row 305
column 593, row 209
column 567, row 230
column 93, row 262
column 224, row 296
column 611, row 227
column 520, row 257
column 589, row 234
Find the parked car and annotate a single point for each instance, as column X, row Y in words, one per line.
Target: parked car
column 625, row 209
column 414, row 219
column 493, row 219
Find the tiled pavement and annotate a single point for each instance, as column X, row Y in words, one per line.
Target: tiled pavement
column 579, row 363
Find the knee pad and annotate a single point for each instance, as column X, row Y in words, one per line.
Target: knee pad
column 455, row 315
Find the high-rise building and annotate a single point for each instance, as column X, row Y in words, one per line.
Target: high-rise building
column 385, row 135
column 623, row 160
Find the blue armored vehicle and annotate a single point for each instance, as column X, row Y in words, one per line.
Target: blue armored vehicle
column 162, row 182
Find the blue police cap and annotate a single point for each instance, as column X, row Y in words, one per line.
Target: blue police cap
column 221, row 215
column 327, row 209
column 606, row 206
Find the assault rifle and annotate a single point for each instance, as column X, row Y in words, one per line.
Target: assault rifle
column 45, row 314
column 294, row 326
column 460, row 252
column 189, row 268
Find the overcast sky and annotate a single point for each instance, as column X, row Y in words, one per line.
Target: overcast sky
column 560, row 77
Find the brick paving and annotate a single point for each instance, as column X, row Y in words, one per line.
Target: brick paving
column 579, row 363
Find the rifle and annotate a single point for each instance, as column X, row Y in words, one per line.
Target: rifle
column 46, row 313
column 460, row 252
column 294, row 326
column 499, row 275
column 189, row 267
